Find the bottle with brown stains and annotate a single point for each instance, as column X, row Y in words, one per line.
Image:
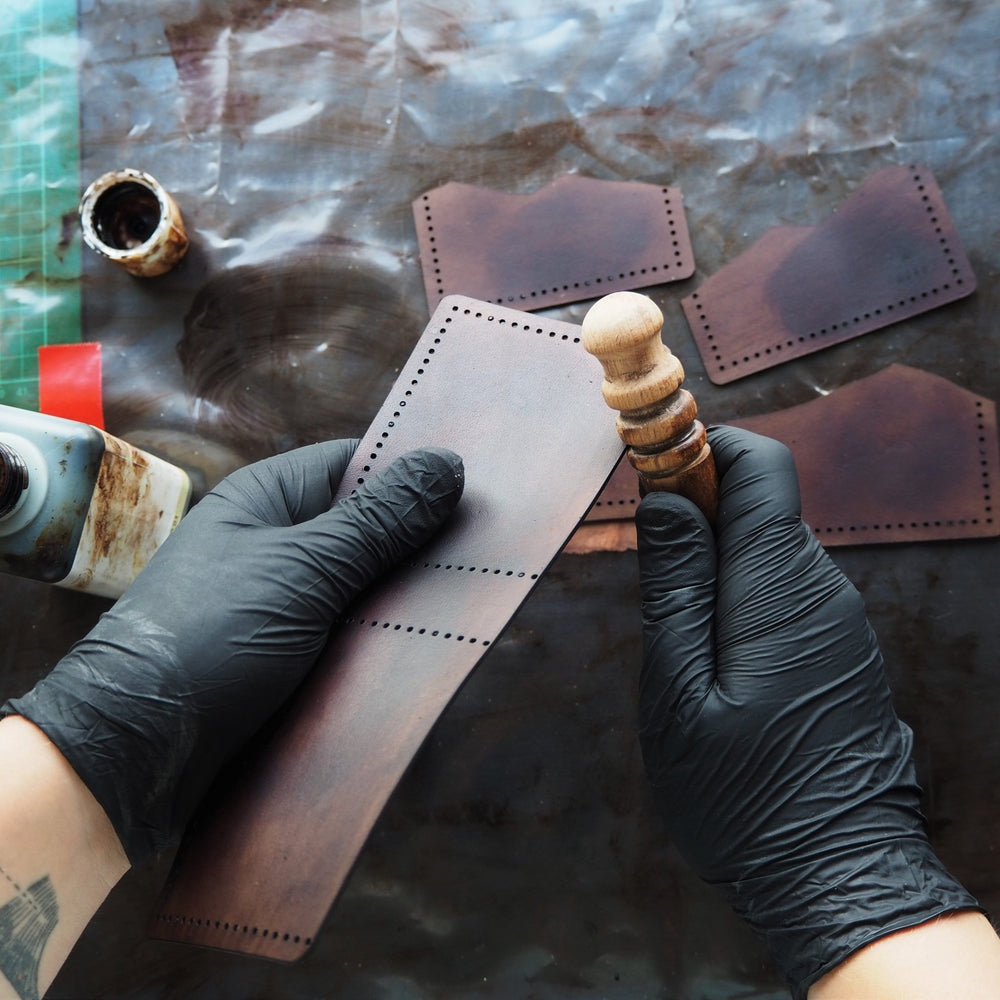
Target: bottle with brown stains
column 78, row 507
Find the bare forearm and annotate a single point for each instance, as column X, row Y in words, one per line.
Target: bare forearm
column 956, row 957
column 59, row 859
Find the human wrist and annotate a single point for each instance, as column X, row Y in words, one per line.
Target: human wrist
column 952, row 957
column 87, row 724
column 102, row 753
column 815, row 915
column 105, row 855
column 56, row 779
column 59, row 857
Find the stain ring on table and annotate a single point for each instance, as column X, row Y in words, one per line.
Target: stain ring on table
column 282, row 354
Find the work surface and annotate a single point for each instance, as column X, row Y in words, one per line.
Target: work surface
column 520, row 857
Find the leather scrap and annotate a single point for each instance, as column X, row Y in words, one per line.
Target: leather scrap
column 577, row 238
column 889, row 252
column 520, row 400
column 900, row 456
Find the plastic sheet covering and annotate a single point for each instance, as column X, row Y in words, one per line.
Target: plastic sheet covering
column 519, row 857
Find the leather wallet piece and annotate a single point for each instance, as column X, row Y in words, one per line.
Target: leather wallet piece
column 520, row 401
column 577, row 238
column 889, row 252
column 900, row 456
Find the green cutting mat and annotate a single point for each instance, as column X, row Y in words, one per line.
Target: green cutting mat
column 39, row 189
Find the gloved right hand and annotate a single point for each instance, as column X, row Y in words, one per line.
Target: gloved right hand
column 767, row 724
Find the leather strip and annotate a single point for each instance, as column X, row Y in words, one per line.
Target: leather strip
column 900, row 456
column 888, row 253
column 575, row 239
column 520, row 400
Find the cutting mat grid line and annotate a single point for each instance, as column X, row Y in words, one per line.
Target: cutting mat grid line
column 39, row 190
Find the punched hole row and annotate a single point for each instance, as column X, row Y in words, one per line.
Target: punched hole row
column 816, row 334
column 903, row 526
column 487, row 570
column 435, row 633
column 984, row 462
column 235, row 927
column 515, row 325
column 609, row 279
column 376, row 451
column 432, row 240
column 932, row 213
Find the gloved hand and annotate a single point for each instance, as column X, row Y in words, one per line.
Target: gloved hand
column 223, row 623
column 767, row 726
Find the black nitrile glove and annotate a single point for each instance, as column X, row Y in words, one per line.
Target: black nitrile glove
column 223, row 623
column 767, row 725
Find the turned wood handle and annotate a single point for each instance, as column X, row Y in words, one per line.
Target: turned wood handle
column 667, row 444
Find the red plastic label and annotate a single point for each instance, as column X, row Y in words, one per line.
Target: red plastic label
column 69, row 382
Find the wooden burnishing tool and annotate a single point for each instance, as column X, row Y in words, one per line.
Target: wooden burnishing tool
column 667, row 444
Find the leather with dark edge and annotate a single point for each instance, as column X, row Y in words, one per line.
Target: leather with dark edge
column 520, row 400
column 889, row 252
column 899, row 456
column 577, row 238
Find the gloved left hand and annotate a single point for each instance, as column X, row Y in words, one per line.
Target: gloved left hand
column 223, row 623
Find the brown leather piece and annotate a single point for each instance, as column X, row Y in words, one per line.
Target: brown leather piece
column 900, row 456
column 889, row 252
column 520, row 400
column 619, row 497
column 577, row 238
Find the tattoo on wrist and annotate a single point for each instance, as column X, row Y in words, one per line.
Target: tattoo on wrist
column 26, row 923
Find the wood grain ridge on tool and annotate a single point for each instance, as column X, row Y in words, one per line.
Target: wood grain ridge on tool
column 519, row 399
column 900, row 456
column 574, row 239
column 889, row 252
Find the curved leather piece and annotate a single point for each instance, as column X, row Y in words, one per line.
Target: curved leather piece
column 519, row 399
column 889, row 252
column 900, row 456
column 574, row 239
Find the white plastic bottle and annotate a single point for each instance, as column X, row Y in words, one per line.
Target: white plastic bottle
column 78, row 507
